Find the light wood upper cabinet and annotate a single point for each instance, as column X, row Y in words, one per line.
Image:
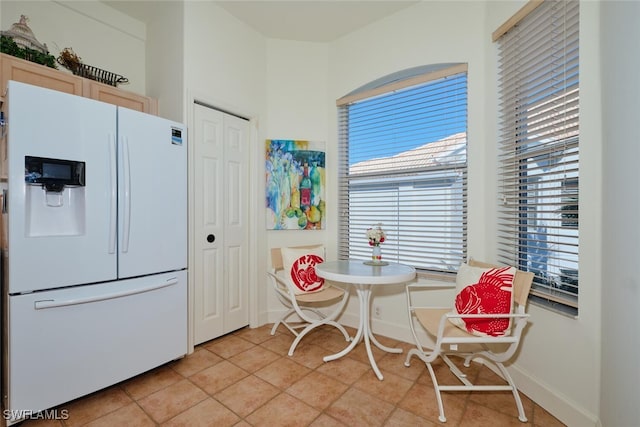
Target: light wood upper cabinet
column 113, row 95
column 38, row 75
column 12, row 68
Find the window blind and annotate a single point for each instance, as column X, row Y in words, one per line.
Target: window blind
column 539, row 151
column 403, row 163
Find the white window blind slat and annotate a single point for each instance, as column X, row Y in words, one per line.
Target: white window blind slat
column 402, row 158
column 538, row 210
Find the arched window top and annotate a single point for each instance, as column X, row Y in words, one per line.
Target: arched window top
column 401, row 79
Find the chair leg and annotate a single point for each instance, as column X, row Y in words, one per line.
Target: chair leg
column 436, row 387
column 412, row 352
column 427, row 361
column 497, row 367
column 275, row 327
column 281, row 320
column 516, row 395
column 341, row 329
column 521, row 416
column 420, row 354
column 312, row 326
column 301, row 334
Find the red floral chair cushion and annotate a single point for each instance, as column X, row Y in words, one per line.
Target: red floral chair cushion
column 299, row 268
column 484, row 291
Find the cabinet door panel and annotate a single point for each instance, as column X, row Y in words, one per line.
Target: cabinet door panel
column 38, row 75
column 12, row 68
column 113, row 95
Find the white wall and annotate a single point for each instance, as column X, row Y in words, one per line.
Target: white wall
column 296, row 100
column 296, row 91
column 100, row 35
column 621, row 234
column 224, row 60
column 164, row 58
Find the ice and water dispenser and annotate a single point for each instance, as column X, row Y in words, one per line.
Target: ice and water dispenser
column 55, row 197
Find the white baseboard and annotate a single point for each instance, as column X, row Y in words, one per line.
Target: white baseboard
column 553, row 402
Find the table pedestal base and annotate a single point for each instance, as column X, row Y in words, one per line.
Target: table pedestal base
column 364, row 332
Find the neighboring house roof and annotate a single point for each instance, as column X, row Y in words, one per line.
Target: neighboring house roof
column 446, row 151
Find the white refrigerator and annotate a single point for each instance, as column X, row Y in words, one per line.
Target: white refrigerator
column 94, row 278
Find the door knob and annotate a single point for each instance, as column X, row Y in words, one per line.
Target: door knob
column 211, row 238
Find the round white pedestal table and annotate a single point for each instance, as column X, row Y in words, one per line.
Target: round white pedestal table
column 364, row 278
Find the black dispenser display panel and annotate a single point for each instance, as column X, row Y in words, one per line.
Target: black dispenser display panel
column 54, row 174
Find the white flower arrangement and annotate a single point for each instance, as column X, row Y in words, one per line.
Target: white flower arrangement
column 376, row 235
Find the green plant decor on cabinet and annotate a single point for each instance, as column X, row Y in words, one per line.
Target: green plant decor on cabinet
column 8, row 46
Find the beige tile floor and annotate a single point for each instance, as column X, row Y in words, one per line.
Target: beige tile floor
column 246, row 379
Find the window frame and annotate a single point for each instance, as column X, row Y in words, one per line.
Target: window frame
column 403, row 80
column 538, row 59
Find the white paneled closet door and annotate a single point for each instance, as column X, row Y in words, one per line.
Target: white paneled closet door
column 220, row 217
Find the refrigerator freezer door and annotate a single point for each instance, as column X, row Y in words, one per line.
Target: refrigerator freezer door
column 60, row 238
column 152, row 198
column 92, row 337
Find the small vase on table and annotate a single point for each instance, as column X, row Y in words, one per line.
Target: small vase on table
column 376, row 254
column 376, row 236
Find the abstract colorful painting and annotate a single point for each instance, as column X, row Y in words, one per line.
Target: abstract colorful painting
column 295, row 184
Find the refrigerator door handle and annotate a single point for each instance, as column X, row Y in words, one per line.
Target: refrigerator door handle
column 113, row 207
column 126, row 174
column 44, row 304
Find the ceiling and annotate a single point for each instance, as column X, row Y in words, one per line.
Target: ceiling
column 302, row 20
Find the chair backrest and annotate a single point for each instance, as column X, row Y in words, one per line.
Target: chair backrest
column 276, row 256
column 521, row 282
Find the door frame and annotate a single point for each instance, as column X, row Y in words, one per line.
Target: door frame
column 255, row 167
